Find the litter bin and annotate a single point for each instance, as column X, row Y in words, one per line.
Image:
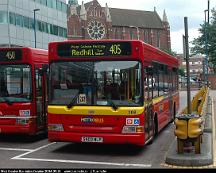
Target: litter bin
column 188, row 131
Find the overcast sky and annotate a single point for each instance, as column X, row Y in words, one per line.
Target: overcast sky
column 176, row 10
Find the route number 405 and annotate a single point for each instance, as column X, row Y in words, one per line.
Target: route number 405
column 115, row 49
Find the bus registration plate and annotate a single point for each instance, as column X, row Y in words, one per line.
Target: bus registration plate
column 92, row 139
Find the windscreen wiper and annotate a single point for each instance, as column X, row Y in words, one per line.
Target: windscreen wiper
column 7, row 101
column 72, row 102
column 114, row 106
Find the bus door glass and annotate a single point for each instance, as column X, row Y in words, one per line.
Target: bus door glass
column 39, row 97
column 148, row 95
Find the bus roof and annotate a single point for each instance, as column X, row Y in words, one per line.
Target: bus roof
column 153, row 54
column 30, row 55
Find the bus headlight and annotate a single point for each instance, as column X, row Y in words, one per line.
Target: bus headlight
column 133, row 129
column 55, row 127
column 22, row 121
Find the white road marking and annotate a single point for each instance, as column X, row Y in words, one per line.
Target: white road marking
column 213, row 133
column 21, row 155
column 86, row 162
column 15, row 149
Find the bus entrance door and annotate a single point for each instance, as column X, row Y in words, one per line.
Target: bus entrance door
column 40, row 98
column 148, row 95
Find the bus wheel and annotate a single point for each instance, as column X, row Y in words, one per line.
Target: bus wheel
column 155, row 125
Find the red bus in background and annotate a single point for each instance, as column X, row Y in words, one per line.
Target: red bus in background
column 22, row 91
column 110, row 91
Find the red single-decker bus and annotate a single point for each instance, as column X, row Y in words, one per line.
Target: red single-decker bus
column 110, row 91
column 22, row 91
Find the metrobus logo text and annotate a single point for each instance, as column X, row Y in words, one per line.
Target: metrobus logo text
column 92, row 120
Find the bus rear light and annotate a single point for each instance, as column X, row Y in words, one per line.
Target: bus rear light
column 55, row 127
column 133, row 129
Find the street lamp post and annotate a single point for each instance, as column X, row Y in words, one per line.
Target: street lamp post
column 137, row 28
column 206, row 50
column 35, row 26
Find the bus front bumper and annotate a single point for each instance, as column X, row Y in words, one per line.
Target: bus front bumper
column 135, row 139
column 16, row 129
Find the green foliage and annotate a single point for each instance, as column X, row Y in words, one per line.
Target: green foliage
column 181, row 72
column 199, row 43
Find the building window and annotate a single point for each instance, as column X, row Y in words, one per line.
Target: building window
column 131, row 34
column 74, row 31
column 26, row 21
column 44, row 2
column 31, row 22
column 91, row 13
column 55, row 28
column 55, row 4
column 12, row 18
column 23, row 21
column 39, row 26
column 146, row 36
column 60, row 32
column 19, row 20
column 158, row 39
column 64, row 7
column 59, row 5
column 50, row 3
column 83, row 32
column 3, row 17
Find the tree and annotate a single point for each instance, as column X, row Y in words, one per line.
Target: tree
column 199, row 43
column 181, row 72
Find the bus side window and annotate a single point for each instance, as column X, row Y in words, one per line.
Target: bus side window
column 148, row 83
column 160, row 84
column 155, row 81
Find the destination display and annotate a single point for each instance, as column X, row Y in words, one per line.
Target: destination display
column 71, row 50
column 10, row 55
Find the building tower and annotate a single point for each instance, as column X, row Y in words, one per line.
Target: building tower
column 167, row 30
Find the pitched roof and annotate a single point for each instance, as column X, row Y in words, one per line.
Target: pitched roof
column 128, row 17
column 145, row 19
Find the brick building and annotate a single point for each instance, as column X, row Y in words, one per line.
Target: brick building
column 195, row 63
column 92, row 21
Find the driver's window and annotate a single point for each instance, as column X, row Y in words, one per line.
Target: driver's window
column 149, row 83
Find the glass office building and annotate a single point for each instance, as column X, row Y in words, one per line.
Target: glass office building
column 17, row 22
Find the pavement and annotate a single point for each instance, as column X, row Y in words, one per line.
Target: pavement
column 207, row 150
